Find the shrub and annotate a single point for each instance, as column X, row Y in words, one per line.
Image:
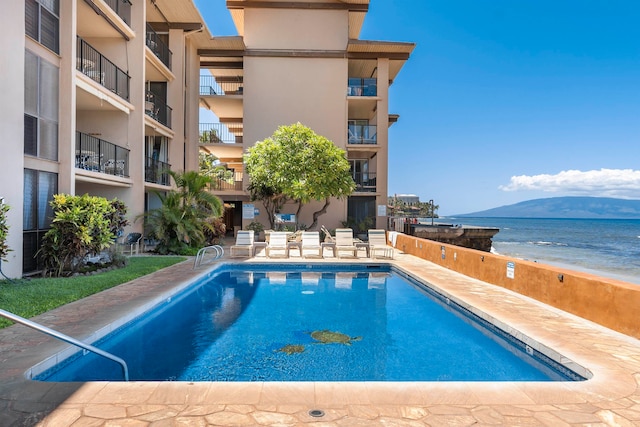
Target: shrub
column 4, row 230
column 214, row 229
column 82, row 225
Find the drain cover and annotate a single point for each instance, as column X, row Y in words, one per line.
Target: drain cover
column 316, row 413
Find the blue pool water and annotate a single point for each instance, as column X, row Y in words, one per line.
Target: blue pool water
column 266, row 325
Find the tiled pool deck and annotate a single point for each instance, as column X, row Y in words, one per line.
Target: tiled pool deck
column 610, row 398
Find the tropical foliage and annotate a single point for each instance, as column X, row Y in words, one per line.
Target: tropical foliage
column 186, row 217
column 296, row 164
column 4, row 230
column 81, row 226
column 210, row 166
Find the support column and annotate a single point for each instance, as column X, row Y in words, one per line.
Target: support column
column 382, row 119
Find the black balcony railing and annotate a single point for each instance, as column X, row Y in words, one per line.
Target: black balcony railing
column 98, row 155
column 122, row 8
column 217, row 133
column 156, row 171
column 232, row 183
column 96, row 66
column 157, row 109
column 158, row 47
column 362, row 87
column 365, row 181
column 209, row 86
column 362, row 134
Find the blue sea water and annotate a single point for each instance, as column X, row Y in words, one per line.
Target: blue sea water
column 606, row 247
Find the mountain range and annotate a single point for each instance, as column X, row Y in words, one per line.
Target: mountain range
column 566, row 207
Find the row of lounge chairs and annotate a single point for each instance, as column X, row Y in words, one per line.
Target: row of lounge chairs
column 309, row 244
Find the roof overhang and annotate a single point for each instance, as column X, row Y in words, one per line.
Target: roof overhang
column 165, row 15
column 357, row 10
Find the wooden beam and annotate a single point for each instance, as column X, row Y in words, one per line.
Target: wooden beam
column 166, row 26
column 224, row 53
column 375, row 55
column 226, row 120
column 223, row 65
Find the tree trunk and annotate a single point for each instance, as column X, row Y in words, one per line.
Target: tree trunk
column 316, row 214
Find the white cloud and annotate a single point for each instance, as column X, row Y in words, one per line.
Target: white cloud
column 623, row 183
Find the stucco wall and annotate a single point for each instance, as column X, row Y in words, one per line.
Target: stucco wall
column 296, row 29
column 609, row 302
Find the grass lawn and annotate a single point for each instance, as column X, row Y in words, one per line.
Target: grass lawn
column 30, row 297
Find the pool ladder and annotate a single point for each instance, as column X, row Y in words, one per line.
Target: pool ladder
column 202, row 252
column 68, row 339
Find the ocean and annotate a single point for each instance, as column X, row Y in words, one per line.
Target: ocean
column 605, row 247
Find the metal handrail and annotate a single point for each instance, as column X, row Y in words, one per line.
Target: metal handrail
column 68, row 339
column 201, row 253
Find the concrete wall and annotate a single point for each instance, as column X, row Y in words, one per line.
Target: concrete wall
column 609, row 302
column 12, row 128
column 310, row 29
column 284, row 91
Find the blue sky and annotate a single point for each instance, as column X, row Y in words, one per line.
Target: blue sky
column 507, row 100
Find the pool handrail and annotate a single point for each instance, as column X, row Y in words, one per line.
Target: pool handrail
column 202, row 251
column 66, row 338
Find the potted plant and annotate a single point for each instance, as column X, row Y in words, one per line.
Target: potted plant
column 257, row 228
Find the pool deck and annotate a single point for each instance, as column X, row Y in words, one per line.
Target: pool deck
column 610, row 398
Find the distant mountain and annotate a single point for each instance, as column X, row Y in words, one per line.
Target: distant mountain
column 566, row 207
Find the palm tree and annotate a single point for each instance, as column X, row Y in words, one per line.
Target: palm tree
column 185, row 214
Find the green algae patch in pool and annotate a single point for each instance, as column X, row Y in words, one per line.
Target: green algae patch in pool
column 330, row 337
column 291, row 349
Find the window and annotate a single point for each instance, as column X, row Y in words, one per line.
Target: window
column 40, row 107
column 157, row 159
column 39, row 188
column 360, row 208
column 42, row 22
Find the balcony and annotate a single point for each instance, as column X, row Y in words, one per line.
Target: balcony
column 217, row 133
column 97, row 67
column 158, row 47
column 122, row 8
column 155, row 171
column 232, row 183
column 97, row 155
column 225, row 86
column 362, row 87
column 362, row 134
column 365, row 181
column 155, row 108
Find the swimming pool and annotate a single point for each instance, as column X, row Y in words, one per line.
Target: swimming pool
column 312, row 322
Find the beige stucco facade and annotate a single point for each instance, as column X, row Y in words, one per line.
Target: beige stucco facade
column 302, row 62
column 100, row 97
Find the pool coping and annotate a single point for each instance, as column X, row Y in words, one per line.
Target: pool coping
column 611, row 396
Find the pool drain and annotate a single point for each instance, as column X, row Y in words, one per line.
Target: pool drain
column 316, row 413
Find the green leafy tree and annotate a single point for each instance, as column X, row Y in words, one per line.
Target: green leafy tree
column 81, row 226
column 4, row 230
column 296, row 164
column 186, row 216
column 210, row 166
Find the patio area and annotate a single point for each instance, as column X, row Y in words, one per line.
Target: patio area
column 610, row 398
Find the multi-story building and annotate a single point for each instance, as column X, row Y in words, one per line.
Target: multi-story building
column 100, row 97
column 301, row 61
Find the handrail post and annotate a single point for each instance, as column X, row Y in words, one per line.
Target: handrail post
column 66, row 338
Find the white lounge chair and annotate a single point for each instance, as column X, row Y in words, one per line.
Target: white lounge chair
column 278, row 242
column 244, row 243
column 311, row 243
column 344, row 242
column 378, row 244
